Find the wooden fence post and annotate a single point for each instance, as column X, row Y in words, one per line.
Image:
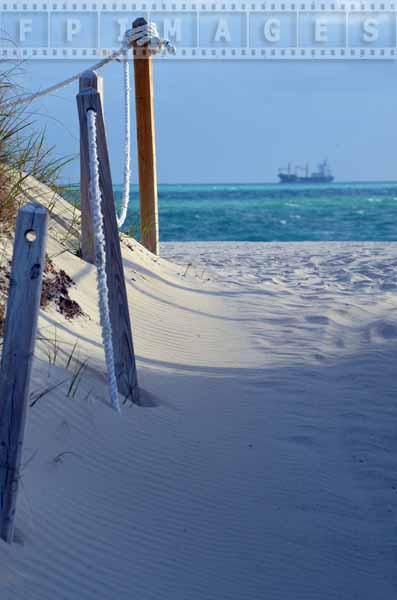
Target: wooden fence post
column 123, row 348
column 18, row 346
column 89, row 80
column 146, row 140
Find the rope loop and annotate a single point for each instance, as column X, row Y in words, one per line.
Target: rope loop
column 142, row 35
column 127, row 146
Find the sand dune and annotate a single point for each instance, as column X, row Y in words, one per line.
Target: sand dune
column 262, row 463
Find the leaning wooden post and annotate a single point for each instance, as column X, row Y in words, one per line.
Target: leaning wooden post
column 146, row 140
column 88, row 80
column 18, row 346
column 127, row 382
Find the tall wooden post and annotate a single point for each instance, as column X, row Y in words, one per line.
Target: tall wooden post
column 146, row 145
column 89, row 99
column 89, row 80
column 16, row 361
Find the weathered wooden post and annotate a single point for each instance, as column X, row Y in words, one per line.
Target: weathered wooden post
column 146, row 140
column 16, row 361
column 89, row 99
column 89, row 80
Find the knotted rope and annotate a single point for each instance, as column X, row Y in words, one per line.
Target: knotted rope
column 144, row 34
column 95, row 197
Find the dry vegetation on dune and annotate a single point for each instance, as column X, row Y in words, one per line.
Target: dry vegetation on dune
column 55, row 291
column 56, row 285
column 24, row 154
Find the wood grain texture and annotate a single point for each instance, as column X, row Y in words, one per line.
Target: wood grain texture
column 89, row 80
column 146, row 141
column 18, row 347
column 123, row 347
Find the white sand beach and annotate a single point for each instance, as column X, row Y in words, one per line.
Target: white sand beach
column 262, row 462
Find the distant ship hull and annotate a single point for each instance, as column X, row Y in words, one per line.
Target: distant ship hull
column 290, row 178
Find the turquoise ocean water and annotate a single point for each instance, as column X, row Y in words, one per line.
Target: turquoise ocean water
column 273, row 212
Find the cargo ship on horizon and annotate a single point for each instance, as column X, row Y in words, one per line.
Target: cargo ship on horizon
column 322, row 175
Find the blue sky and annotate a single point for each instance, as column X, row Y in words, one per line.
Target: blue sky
column 238, row 121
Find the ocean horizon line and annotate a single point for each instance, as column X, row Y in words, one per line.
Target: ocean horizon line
column 256, row 183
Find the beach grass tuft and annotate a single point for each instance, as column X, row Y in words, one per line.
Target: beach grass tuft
column 23, row 153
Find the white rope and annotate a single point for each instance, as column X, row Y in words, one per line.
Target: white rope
column 99, row 238
column 144, row 34
column 127, row 145
column 58, row 86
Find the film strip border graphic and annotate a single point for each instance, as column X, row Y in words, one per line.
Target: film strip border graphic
column 202, row 30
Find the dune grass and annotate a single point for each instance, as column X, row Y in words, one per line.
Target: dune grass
column 23, row 153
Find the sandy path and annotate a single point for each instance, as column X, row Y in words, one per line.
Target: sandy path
column 263, row 462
